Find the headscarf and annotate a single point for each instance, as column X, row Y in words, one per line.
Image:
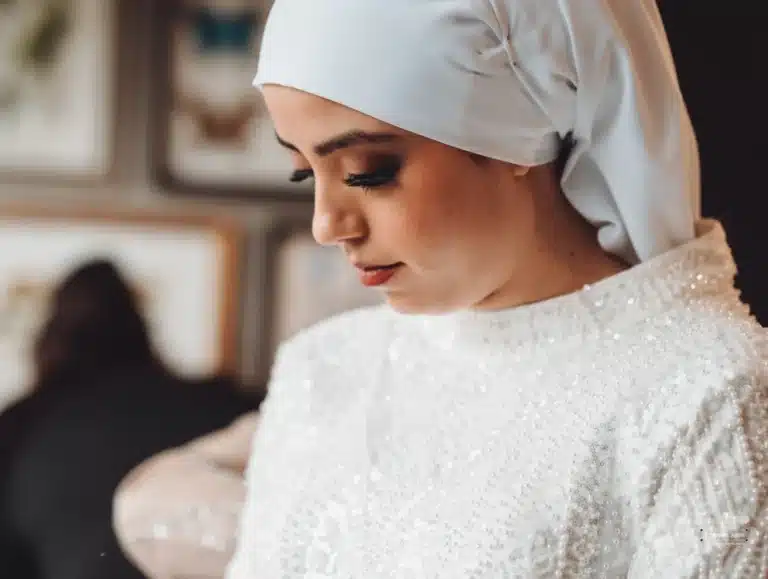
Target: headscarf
column 513, row 80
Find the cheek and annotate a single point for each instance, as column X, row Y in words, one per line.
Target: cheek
column 439, row 217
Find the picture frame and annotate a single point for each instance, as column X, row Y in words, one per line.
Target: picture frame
column 212, row 135
column 57, row 62
column 186, row 270
column 308, row 283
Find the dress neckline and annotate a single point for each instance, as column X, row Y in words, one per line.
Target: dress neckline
column 703, row 266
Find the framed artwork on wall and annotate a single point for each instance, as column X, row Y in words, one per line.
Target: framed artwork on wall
column 185, row 271
column 214, row 136
column 56, row 88
column 307, row 282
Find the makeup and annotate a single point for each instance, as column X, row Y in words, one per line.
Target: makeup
column 377, row 276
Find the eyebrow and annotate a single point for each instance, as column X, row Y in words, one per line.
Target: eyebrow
column 346, row 140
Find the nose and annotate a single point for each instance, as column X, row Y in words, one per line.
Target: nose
column 335, row 223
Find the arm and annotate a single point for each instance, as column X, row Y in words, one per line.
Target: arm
column 282, row 429
column 709, row 517
column 178, row 512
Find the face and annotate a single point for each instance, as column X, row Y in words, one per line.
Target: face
column 433, row 227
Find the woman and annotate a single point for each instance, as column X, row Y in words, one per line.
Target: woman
column 564, row 382
column 102, row 403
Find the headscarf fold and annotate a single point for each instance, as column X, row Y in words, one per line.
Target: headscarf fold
column 511, row 80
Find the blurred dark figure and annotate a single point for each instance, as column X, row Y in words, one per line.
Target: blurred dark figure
column 718, row 53
column 102, row 403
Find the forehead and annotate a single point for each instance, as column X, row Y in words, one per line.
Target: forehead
column 304, row 119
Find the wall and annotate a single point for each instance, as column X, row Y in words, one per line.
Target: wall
column 130, row 185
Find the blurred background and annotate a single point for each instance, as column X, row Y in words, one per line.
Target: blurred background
column 130, row 130
column 136, row 161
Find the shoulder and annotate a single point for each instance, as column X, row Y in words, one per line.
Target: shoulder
column 350, row 331
column 719, row 345
column 322, row 368
column 21, row 417
column 336, row 346
column 699, row 343
column 15, row 422
column 697, row 367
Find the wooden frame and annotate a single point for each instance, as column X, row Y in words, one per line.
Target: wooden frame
column 338, row 292
column 59, row 122
column 219, row 244
column 182, row 95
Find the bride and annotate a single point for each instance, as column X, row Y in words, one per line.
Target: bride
column 563, row 382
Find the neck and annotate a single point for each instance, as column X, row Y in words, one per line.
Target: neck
column 566, row 256
column 561, row 279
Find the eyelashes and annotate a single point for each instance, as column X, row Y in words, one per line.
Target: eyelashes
column 382, row 176
column 300, row 175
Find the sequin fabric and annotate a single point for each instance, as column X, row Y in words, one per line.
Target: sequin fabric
column 619, row 431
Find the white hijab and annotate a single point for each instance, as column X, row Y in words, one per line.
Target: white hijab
column 509, row 80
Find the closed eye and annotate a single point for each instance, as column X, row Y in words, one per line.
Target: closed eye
column 381, row 177
column 385, row 175
column 301, row 175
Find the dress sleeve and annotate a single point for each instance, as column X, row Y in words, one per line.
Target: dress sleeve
column 177, row 513
column 706, row 514
column 282, row 428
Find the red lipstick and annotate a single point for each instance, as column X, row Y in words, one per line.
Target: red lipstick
column 377, row 275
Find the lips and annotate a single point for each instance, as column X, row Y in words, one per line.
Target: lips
column 377, row 275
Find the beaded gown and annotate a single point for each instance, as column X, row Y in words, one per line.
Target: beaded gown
column 619, row 431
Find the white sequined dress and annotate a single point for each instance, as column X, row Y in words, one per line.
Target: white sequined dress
column 619, row 431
